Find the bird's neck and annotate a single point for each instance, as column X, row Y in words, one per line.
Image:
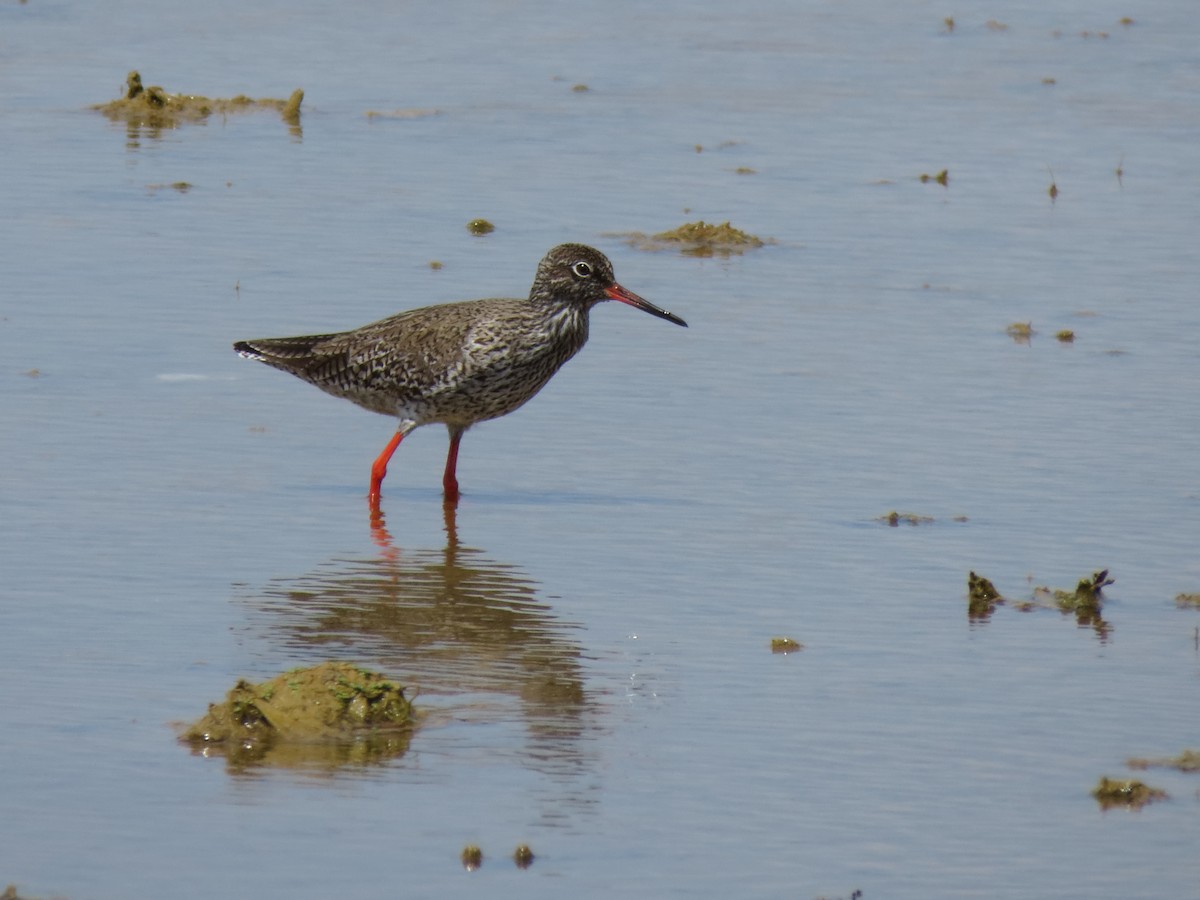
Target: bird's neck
column 567, row 325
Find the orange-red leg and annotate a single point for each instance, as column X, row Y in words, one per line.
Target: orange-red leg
column 379, row 467
column 449, row 479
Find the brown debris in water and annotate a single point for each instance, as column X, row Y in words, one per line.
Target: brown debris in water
column 1085, row 601
column 698, row 238
column 894, row 518
column 472, row 857
column 785, row 645
column 152, row 107
column 1183, row 601
column 1130, row 793
column 1187, row 761
column 1020, row 332
column 982, row 598
column 523, row 856
column 326, row 715
column 413, row 113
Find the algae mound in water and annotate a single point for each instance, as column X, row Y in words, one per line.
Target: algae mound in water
column 523, row 856
column 1110, row 792
column 784, row 644
column 332, row 713
column 153, row 107
column 698, row 239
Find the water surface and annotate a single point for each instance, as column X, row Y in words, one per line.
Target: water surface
column 590, row 632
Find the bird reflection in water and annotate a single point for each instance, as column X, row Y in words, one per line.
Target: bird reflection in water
column 467, row 631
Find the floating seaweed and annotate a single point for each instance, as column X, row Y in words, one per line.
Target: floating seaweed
column 154, row 109
column 1085, row 602
column 1130, row 793
column 698, row 239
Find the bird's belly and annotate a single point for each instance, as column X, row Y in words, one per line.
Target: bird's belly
column 476, row 397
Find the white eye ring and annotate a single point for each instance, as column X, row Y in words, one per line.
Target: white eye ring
column 582, row 270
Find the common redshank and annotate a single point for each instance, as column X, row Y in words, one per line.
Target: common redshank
column 457, row 363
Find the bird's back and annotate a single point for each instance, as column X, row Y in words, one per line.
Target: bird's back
column 457, row 362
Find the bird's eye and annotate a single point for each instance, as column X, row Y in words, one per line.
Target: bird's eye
column 582, row 270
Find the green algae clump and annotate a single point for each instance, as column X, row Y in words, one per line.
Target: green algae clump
column 523, row 856
column 698, row 239
column 472, row 857
column 982, row 598
column 155, row 109
column 1130, row 793
column 1085, row 602
column 785, row 645
column 329, row 714
column 1020, row 332
column 480, row 227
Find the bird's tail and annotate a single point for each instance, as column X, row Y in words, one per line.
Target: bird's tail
column 287, row 353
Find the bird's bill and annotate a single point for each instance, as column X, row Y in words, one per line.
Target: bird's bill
column 616, row 292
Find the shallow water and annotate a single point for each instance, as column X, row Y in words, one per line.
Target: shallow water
column 590, row 632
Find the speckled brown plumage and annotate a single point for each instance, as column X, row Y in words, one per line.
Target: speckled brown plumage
column 458, row 363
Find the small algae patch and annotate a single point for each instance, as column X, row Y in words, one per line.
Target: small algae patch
column 894, row 518
column 154, row 108
column 181, row 187
column 698, row 239
column 1187, row 601
column 373, row 114
column 1086, row 594
column 1130, row 793
column 480, row 226
column 1020, row 332
column 785, row 645
column 982, row 598
column 472, row 857
column 1066, row 336
column 1084, row 602
column 327, row 715
column 1187, row 761
column 523, row 856
column 291, row 109
column 942, row 178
